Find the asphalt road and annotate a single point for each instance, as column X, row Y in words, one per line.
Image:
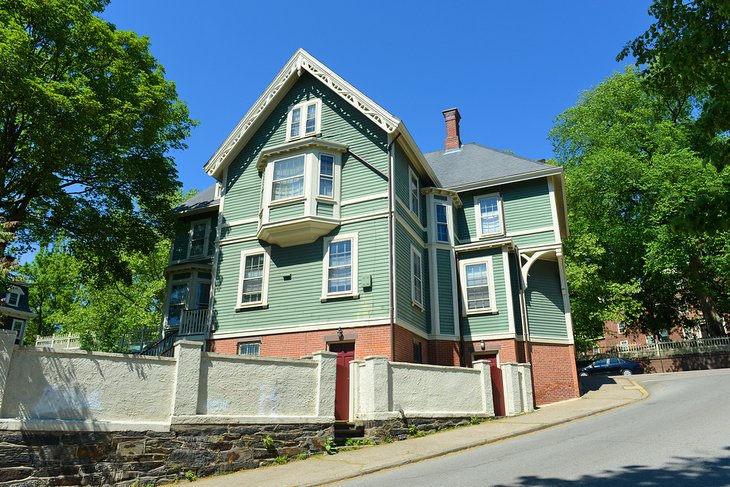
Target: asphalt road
column 679, row 436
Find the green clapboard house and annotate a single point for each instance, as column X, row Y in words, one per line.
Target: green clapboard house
column 328, row 229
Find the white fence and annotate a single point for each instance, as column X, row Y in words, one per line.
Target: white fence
column 60, row 342
column 665, row 349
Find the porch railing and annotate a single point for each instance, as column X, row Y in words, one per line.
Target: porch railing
column 59, row 342
column 194, row 322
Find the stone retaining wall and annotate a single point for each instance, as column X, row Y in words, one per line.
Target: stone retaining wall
column 126, row 457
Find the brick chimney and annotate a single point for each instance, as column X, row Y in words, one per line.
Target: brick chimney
column 453, row 139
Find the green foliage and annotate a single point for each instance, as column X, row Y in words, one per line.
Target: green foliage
column 87, row 120
column 358, row 442
column 684, row 56
column 268, row 442
column 330, row 447
column 476, row 420
column 191, row 476
column 646, row 244
column 301, row 456
column 282, row 459
column 103, row 311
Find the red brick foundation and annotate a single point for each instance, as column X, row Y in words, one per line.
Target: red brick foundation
column 554, row 373
column 369, row 340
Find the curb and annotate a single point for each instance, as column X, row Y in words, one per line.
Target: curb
column 476, row 444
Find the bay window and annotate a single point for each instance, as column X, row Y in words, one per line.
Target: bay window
column 288, row 178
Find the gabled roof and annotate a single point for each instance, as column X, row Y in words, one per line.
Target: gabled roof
column 201, row 201
column 475, row 166
column 303, row 61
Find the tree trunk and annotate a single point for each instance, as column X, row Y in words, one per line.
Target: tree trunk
column 713, row 321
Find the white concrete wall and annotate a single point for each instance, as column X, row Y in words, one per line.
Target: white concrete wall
column 72, row 385
column 426, row 389
column 518, row 396
column 257, row 386
column 383, row 390
column 44, row 389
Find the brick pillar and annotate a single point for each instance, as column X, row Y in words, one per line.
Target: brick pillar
column 7, row 344
column 453, row 138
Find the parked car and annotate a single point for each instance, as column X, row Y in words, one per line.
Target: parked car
column 613, row 366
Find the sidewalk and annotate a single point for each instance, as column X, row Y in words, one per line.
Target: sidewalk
column 608, row 394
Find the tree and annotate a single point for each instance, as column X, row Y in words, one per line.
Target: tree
column 641, row 204
column 87, row 120
column 685, row 56
column 101, row 312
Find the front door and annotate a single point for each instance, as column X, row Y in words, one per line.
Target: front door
column 345, row 354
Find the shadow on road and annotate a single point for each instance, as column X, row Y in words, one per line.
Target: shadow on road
column 593, row 383
column 679, row 471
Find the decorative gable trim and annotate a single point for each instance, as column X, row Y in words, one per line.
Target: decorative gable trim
column 301, row 61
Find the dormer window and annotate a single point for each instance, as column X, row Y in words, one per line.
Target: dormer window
column 488, row 212
column 303, row 119
column 13, row 298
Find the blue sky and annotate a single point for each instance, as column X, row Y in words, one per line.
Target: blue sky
column 510, row 67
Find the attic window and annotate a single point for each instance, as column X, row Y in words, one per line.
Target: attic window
column 303, row 119
column 13, row 298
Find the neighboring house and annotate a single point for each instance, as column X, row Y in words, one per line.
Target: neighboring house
column 14, row 309
column 617, row 337
column 327, row 228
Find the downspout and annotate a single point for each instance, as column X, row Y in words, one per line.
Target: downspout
column 391, row 243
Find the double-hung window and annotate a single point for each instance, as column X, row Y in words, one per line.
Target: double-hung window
column 442, row 226
column 252, row 288
column 177, row 303
column 477, row 285
column 288, row 180
column 416, row 277
column 303, row 119
column 326, row 175
column 488, row 210
column 340, row 266
column 18, row 326
column 198, row 238
column 414, row 192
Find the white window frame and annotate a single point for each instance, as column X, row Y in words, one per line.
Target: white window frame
column 305, row 182
column 620, row 325
column 266, row 251
column 355, row 287
column 252, row 342
column 490, row 282
column 416, row 300
column 411, row 176
column 478, row 214
column 9, row 296
column 21, row 330
column 436, row 222
column 335, row 166
column 303, row 119
column 205, row 238
column 624, row 345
